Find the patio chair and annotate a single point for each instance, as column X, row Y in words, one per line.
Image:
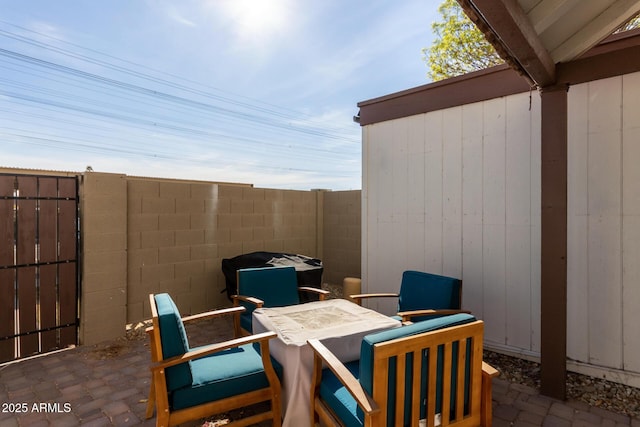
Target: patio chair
column 423, row 296
column 266, row 287
column 192, row 383
column 429, row 373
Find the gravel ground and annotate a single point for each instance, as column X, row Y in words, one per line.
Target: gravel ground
column 593, row 391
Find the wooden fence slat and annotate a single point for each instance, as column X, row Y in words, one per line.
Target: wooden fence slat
column 7, row 310
column 67, row 187
column 48, row 305
column 27, row 186
column 47, row 187
column 67, row 230
column 7, row 184
column 48, row 230
column 26, row 223
column 7, row 232
column 27, row 310
column 68, row 301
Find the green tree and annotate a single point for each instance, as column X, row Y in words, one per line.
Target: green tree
column 632, row 24
column 459, row 47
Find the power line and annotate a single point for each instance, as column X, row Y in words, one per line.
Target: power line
column 191, row 122
column 249, row 104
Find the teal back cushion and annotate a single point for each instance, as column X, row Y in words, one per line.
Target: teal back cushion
column 276, row 286
column 174, row 341
column 367, row 353
column 420, row 290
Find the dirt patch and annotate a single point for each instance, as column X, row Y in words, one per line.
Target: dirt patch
column 109, row 351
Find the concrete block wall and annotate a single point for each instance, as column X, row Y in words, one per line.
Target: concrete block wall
column 150, row 235
column 180, row 231
column 341, row 235
column 103, row 292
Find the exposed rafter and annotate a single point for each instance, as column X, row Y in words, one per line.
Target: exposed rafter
column 508, row 29
column 533, row 36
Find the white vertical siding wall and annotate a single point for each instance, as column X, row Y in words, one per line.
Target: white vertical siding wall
column 457, row 192
column 603, row 277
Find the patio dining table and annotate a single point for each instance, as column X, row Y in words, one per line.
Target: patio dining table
column 340, row 324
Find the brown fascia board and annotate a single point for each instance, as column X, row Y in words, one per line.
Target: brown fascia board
column 616, row 55
column 477, row 86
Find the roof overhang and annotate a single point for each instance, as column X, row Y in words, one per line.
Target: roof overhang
column 618, row 54
column 533, row 36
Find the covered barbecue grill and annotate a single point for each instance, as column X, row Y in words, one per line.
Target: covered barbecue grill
column 308, row 270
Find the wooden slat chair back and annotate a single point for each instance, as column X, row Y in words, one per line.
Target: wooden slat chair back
column 192, row 383
column 430, row 371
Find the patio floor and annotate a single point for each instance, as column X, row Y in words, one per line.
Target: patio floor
column 108, row 384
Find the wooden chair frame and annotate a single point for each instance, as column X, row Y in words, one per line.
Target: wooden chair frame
column 407, row 315
column 158, row 395
column 258, row 303
column 374, row 406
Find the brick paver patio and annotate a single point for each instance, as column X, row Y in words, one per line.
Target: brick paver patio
column 108, row 384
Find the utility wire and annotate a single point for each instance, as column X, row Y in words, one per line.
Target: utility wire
column 110, row 102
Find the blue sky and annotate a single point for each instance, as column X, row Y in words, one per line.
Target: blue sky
column 252, row 91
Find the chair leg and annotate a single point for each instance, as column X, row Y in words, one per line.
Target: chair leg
column 275, row 410
column 151, row 402
column 486, row 408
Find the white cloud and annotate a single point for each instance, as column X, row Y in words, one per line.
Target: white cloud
column 174, row 15
column 47, row 30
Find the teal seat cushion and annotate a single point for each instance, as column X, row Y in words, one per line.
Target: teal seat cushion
column 174, row 341
column 225, row 374
column 338, row 398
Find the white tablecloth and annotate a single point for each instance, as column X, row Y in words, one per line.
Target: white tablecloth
column 340, row 324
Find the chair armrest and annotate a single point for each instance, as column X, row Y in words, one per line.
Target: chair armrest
column 366, row 402
column 214, row 313
column 212, row 348
column 322, row 294
column 488, row 370
column 252, row 300
column 205, row 315
column 359, row 297
column 407, row 315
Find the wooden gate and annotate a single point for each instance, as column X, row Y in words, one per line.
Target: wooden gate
column 39, row 233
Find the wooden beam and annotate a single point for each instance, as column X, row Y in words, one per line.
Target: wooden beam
column 508, row 29
column 553, row 346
